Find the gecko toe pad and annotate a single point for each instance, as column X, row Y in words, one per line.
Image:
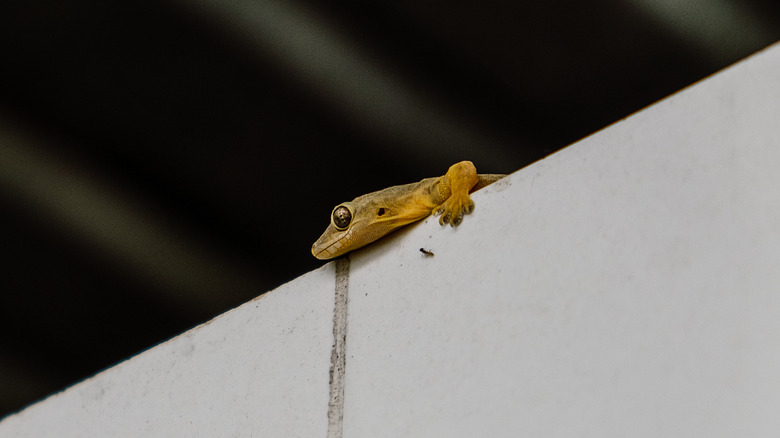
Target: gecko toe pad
column 453, row 209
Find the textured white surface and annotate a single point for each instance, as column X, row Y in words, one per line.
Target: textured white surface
column 258, row 370
column 628, row 285
column 625, row 286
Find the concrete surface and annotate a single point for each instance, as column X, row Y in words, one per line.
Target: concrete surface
column 628, row 285
column 625, row 286
column 258, row 370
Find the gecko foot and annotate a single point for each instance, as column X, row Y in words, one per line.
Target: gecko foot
column 453, row 209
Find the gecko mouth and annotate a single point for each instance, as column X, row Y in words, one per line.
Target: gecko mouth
column 324, row 251
column 318, row 252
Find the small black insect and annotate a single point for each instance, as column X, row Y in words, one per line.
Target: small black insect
column 426, row 252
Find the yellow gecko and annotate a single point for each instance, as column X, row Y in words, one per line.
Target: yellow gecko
column 367, row 218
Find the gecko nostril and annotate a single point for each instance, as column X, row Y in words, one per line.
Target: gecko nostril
column 381, row 211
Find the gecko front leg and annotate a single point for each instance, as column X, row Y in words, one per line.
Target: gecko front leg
column 453, row 193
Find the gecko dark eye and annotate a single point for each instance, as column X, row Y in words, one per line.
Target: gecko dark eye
column 381, row 212
column 341, row 217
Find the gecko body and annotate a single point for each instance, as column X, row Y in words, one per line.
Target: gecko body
column 367, row 218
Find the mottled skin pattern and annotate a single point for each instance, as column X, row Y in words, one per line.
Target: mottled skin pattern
column 367, row 218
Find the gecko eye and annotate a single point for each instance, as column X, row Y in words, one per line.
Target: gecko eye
column 341, row 217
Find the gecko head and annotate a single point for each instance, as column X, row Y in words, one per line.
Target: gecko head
column 352, row 225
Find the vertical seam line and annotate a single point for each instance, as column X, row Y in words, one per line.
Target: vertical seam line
column 338, row 353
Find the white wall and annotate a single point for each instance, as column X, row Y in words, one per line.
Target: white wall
column 258, row 370
column 628, row 285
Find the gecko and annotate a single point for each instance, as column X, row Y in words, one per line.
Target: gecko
column 366, row 218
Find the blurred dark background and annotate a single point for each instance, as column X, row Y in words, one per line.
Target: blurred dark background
column 164, row 161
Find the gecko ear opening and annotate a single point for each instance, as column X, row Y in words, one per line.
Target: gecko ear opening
column 341, row 217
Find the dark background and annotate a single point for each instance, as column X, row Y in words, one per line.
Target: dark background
column 164, row 161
